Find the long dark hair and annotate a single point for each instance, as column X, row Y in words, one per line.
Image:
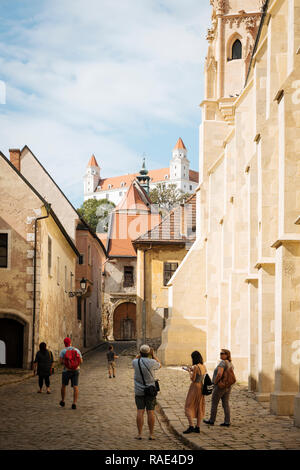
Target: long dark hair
column 196, row 358
column 43, row 348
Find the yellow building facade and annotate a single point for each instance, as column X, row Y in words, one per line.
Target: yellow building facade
column 159, row 253
column 239, row 285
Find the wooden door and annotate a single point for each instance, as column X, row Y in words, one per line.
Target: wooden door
column 125, row 322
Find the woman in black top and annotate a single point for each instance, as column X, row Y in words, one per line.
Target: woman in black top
column 43, row 366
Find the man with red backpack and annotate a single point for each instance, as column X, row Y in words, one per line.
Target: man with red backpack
column 71, row 358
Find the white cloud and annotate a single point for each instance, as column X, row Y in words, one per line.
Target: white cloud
column 83, row 76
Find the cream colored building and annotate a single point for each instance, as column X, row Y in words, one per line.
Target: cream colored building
column 37, row 268
column 239, row 285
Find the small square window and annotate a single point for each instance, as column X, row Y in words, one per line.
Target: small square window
column 169, row 270
column 128, row 276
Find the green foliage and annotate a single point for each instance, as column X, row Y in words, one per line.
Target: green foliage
column 96, row 213
column 167, row 197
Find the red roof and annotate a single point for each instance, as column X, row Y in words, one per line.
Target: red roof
column 134, row 216
column 119, row 182
column 93, row 161
column 179, row 144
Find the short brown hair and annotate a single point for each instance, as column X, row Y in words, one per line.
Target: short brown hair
column 228, row 354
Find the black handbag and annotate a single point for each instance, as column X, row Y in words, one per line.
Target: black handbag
column 207, row 385
column 150, row 390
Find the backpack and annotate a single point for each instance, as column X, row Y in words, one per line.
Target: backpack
column 72, row 359
column 228, row 378
column 207, row 385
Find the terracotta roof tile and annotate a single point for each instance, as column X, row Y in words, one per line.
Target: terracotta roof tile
column 179, row 144
column 155, row 176
column 131, row 218
column 178, row 226
column 92, row 161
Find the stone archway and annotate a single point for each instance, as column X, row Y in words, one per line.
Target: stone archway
column 12, row 335
column 124, row 322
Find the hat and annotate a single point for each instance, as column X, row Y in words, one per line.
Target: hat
column 145, row 349
column 67, row 341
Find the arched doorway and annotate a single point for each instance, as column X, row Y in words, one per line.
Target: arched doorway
column 125, row 322
column 12, row 334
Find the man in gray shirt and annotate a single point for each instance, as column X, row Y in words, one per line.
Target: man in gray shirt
column 148, row 363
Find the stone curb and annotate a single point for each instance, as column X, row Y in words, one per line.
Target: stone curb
column 177, row 432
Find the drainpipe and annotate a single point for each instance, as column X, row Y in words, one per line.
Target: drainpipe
column 47, row 207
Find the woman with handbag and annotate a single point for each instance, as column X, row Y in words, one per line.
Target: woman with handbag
column 223, row 379
column 43, row 366
column 195, row 400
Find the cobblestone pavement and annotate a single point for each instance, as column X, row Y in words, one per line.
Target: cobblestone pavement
column 253, row 427
column 105, row 417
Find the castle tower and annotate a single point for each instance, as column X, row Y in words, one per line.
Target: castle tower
column 92, row 176
column 231, row 41
column 179, row 165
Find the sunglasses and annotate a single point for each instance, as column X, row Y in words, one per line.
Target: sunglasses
column 222, row 353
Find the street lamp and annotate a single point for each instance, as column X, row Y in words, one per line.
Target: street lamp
column 82, row 291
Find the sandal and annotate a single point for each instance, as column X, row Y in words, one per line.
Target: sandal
column 138, row 438
column 151, row 438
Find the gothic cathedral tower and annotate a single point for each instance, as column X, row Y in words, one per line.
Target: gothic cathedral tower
column 231, row 41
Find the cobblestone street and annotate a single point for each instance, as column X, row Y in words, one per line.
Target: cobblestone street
column 104, row 419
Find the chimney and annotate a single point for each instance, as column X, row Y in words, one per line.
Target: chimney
column 15, row 158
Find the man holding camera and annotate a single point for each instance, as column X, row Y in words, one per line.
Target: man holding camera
column 143, row 365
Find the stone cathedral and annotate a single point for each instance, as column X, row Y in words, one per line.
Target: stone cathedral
column 239, row 285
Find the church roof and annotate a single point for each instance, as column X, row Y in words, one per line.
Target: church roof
column 179, row 144
column 133, row 216
column 92, row 161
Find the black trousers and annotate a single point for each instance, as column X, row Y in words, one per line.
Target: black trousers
column 41, row 380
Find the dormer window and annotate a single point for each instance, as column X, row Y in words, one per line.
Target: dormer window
column 122, row 184
column 166, row 177
column 236, row 50
column 109, row 186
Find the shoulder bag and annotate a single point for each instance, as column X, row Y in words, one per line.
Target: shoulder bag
column 227, row 379
column 207, row 385
column 150, row 390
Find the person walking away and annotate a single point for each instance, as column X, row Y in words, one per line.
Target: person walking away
column 111, row 356
column 221, row 393
column 147, row 365
column 43, row 365
column 195, row 401
column 71, row 358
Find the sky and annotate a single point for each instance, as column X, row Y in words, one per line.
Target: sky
column 115, row 78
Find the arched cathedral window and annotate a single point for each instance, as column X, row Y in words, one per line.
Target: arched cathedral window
column 236, row 50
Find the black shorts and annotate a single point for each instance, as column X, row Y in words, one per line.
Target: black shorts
column 143, row 402
column 72, row 375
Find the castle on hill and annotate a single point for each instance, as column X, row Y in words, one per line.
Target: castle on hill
column 114, row 188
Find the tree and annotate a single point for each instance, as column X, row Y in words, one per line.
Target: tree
column 96, row 213
column 167, row 197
